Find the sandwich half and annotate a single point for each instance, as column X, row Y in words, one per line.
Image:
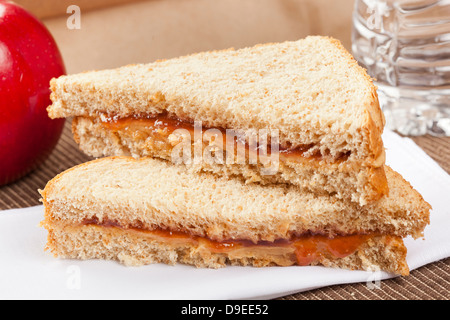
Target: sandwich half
column 148, row 211
column 319, row 110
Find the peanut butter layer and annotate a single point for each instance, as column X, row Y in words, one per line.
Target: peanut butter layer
column 299, row 250
column 231, row 154
column 163, row 128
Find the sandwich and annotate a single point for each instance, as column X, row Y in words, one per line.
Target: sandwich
column 147, row 210
column 320, row 108
column 263, row 156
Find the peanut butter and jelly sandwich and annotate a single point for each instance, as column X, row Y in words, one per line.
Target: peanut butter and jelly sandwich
column 264, row 156
column 149, row 210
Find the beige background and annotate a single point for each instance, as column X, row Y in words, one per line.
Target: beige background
column 119, row 32
column 51, row 8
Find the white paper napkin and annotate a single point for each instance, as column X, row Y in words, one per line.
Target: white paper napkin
column 26, row 272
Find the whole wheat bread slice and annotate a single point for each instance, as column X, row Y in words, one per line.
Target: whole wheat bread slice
column 135, row 248
column 149, row 194
column 311, row 90
column 153, row 193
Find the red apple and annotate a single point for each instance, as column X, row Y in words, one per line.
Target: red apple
column 29, row 58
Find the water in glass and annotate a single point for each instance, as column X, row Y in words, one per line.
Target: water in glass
column 405, row 46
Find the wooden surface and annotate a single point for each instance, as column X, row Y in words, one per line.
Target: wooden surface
column 428, row 282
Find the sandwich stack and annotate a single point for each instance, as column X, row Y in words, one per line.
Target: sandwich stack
column 263, row 156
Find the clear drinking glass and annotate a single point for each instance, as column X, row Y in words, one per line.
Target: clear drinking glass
column 405, row 46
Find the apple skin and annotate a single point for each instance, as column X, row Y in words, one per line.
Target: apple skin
column 29, row 59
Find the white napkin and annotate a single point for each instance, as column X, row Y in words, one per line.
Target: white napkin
column 26, row 272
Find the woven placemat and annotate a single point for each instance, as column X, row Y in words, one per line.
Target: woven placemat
column 428, row 282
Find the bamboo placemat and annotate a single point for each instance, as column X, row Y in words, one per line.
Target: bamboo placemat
column 428, row 282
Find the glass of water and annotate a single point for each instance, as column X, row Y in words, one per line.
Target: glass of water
column 405, row 46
